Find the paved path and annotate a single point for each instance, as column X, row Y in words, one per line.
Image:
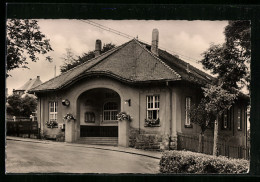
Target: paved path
column 24, row 156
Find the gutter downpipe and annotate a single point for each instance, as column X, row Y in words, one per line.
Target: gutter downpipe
column 170, row 92
column 39, row 132
column 139, row 114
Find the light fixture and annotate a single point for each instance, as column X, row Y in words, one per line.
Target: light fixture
column 128, row 101
column 65, row 102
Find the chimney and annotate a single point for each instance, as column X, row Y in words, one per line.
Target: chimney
column 98, row 47
column 155, row 40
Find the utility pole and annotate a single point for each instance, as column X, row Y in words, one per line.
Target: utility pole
column 54, row 70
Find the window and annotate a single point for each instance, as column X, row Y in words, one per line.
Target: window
column 110, row 111
column 187, row 111
column 89, row 117
column 153, row 106
column 239, row 127
column 53, row 110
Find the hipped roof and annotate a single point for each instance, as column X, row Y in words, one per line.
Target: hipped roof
column 131, row 62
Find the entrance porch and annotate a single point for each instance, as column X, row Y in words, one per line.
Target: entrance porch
column 97, row 110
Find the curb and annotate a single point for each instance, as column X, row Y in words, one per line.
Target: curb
column 83, row 146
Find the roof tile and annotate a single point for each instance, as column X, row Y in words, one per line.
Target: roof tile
column 133, row 62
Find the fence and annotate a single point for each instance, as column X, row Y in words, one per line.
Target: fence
column 22, row 127
column 191, row 143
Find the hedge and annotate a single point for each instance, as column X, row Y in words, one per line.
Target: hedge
column 191, row 162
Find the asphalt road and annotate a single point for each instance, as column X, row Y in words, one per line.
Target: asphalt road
column 28, row 157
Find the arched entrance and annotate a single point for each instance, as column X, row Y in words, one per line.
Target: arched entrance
column 97, row 110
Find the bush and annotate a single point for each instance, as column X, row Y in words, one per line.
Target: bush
column 191, row 162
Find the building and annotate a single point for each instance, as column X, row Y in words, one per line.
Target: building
column 152, row 86
column 27, row 86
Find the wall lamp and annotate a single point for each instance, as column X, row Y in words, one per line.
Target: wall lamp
column 128, row 101
column 65, row 102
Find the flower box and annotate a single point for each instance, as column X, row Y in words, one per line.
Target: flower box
column 51, row 124
column 123, row 116
column 69, row 117
column 152, row 122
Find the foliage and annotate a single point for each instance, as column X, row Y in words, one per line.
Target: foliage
column 152, row 122
column 238, row 34
column 24, row 40
column 217, row 99
column 123, row 116
column 70, row 61
column 51, row 124
column 190, row 162
column 230, row 60
column 200, row 116
column 69, row 116
column 21, row 106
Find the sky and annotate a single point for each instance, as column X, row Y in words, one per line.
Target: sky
column 188, row 39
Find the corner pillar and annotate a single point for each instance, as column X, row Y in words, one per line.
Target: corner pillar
column 123, row 133
column 70, row 130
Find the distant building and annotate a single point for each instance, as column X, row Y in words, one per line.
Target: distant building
column 27, row 86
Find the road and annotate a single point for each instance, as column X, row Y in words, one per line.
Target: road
column 54, row 157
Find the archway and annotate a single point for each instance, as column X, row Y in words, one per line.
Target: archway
column 97, row 110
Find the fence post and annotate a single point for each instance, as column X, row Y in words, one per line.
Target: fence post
column 30, row 128
column 228, row 151
column 17, row 129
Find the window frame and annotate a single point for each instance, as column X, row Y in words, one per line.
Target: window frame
column 153, row 103
column 187, row 117
column 110, row 111
column 54, row 112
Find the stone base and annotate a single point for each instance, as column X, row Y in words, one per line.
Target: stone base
column 140, row 139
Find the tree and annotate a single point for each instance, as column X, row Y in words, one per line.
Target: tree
column 14, row 103
column 229, row 63
column 199, row 115
column 70, row 61
column 21, row 106
column 217, row 101
column 24, row 41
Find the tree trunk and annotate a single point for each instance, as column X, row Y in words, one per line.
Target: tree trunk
column 215, row 144
column 201, row 143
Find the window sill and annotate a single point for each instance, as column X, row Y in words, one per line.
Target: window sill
column 109, row 121
column 52, row 127
column 89, row 121
column 157, row 125
column 188, row 126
